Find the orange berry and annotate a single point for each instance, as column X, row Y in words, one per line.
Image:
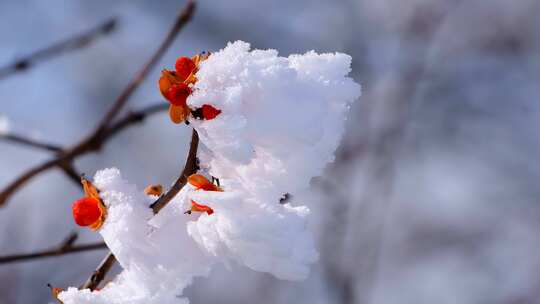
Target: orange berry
column 209, row 112
column 201, row 208
column 178, row 93
column 201, row 182
column 184, row 66
column 86, row 211
column 178, row 114
column 164, row 84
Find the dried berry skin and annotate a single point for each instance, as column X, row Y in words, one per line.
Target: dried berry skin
column 201, row 182
column 154, row 190
column 55, row 291
column 86, row 211
column 201, row 208
column 184, row 67
column 209, row 112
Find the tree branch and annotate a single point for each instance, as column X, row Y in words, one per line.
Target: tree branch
column 190, row 167
column 105, row 130
column 63, row 248
column 71, row 173
column 30, row 142
column 132, row 118
column 183, row 18
column 101, row 271
column 128, row 120
column 71, row 44
column 97, row 138
column 67, row 247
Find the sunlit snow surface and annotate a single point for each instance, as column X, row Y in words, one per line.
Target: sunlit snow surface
column 281, row 121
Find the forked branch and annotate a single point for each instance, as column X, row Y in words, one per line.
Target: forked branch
column 95, row 140
column 190, row 167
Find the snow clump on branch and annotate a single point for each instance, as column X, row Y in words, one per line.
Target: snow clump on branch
column 279, row 123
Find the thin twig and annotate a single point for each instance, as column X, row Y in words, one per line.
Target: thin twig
column 101, row 271
column 105, row 130
column 65, row 247
column 52, row 252
column 183, row 18
column 97, row 138
column 132, row 118
column 77, row 42
column 128, row 120
column 30, row 142
column 71, row 173
column 70, row 240
column 67, row 167
column 190, row 167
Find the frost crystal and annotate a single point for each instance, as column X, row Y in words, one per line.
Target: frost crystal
column 281, row 121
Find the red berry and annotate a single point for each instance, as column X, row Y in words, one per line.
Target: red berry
column 86, row 211
column 184, row 66
column 178, row 93
column 209, row 112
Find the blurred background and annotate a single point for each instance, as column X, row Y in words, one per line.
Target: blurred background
column 433, row 197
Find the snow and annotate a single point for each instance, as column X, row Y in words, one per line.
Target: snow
column 4, row 125
column 158, row 263
column 281, row 121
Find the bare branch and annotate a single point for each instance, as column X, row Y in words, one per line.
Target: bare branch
column 71, row 173
column 30, row 142
column 183, row 18
column 97, row 138
column 66, row 247
column 22, row 179
column 55, row 50
column 70, row 240
column 190, row 167
column 130, row 119
column 106, row 129
column 101, row 271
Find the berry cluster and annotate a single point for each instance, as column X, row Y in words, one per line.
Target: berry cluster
column 177, row 85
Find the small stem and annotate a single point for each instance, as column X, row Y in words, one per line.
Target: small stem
column 190, row 167
column 99, row 274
